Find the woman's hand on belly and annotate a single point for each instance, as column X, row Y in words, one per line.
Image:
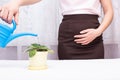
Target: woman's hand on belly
column 86, row 36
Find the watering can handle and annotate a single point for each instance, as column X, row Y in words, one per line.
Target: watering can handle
column 14, row 25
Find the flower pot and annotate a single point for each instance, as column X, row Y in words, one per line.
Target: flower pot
column 38, row 61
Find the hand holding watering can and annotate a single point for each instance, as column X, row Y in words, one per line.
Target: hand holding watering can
column 6, row 34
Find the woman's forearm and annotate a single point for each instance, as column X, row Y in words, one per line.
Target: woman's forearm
column 108, row 16
column 11, row 9
column 24, row 2
column 106, row 21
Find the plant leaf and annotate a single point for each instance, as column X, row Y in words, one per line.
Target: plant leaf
column 32, row 53
column 43, row 47
column 35, row 45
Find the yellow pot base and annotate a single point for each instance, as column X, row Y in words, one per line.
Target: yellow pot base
column 37, row 67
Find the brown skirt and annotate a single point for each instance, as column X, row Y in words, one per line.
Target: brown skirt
column 72, row 25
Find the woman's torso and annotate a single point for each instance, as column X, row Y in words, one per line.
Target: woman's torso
column 80, row 7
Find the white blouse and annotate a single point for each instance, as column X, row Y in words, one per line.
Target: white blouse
column 80, row 7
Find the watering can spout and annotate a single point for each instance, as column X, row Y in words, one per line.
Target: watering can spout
column 14, row 36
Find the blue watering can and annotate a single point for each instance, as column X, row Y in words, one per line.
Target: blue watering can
column 6, row 34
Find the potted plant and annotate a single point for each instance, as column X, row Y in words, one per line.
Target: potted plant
column 38, row 56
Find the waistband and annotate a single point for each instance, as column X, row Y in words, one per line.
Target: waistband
column 80, row 17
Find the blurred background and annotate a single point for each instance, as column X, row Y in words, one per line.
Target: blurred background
column 43, row 19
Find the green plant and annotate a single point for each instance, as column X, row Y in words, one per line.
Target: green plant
column 33, row 48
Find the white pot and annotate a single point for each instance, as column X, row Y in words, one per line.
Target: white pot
column 38, row 61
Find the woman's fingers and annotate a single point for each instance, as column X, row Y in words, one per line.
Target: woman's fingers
column 10, row 16
column 86, row 36
column 8, row 11
column 0, row 9
column 84, row 31
column 4, row 13
column 80, row 36
column 79, row 40
column 16, row 17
